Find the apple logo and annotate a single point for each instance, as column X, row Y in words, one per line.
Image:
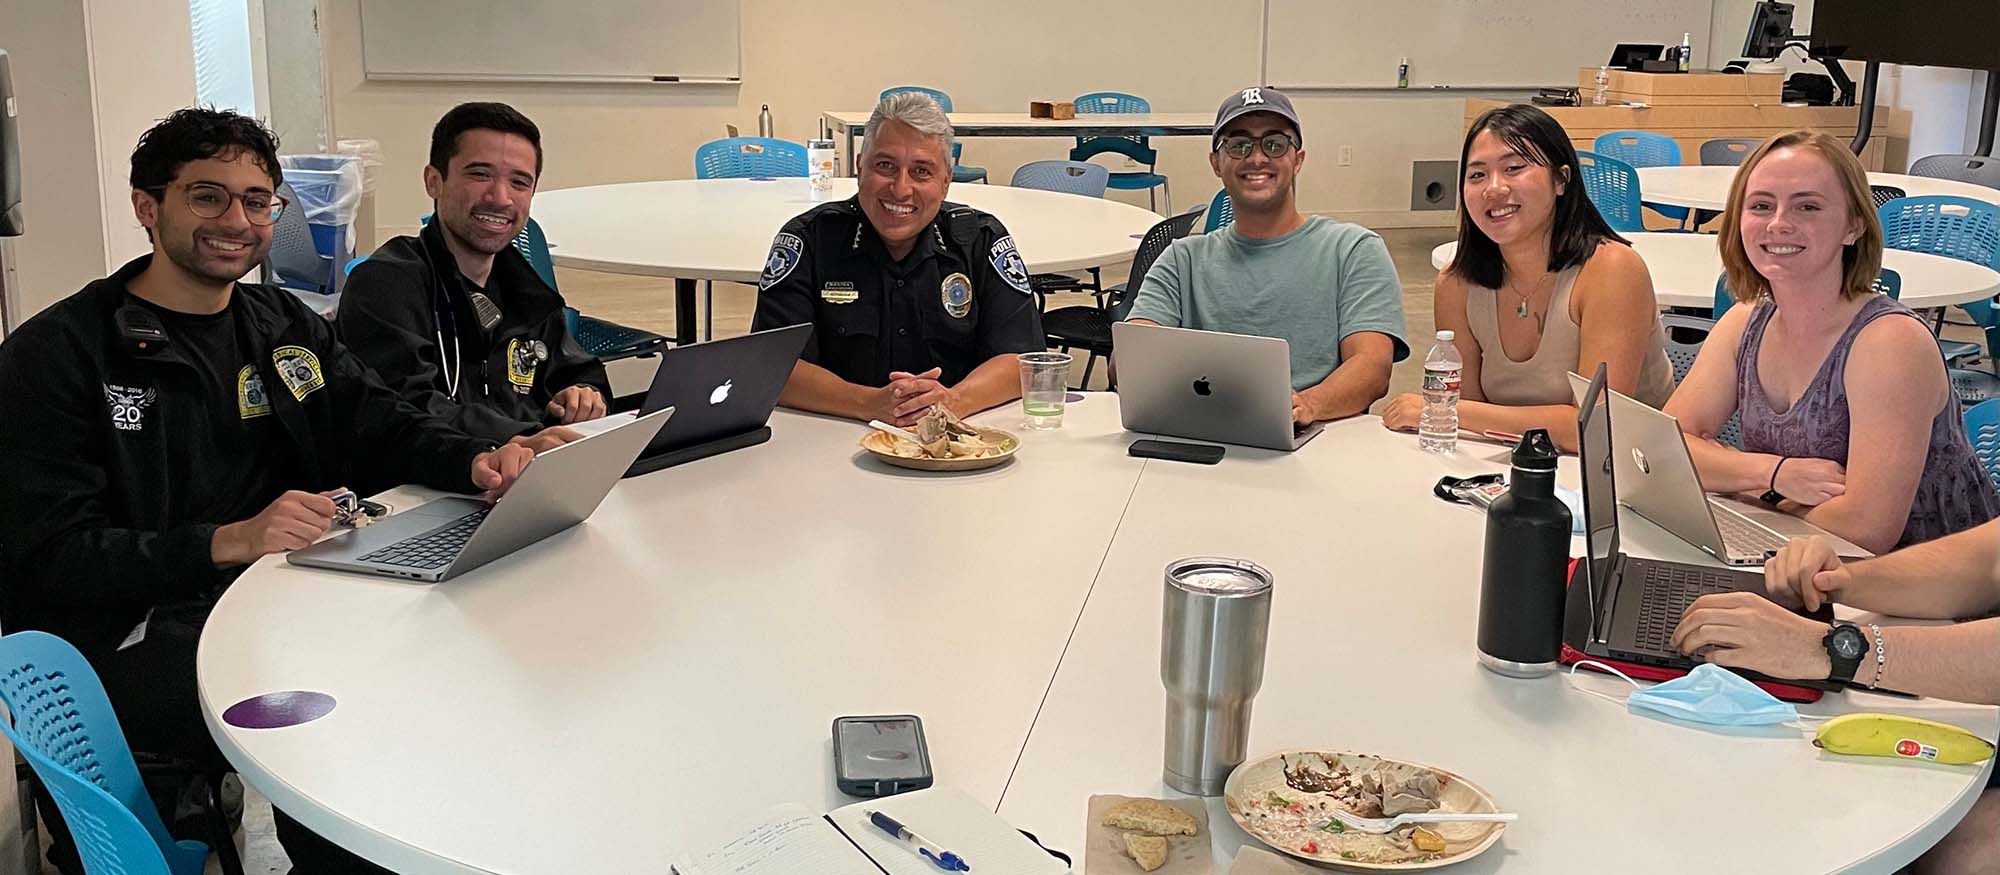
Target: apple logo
column 720, row 394
column 1201, row 386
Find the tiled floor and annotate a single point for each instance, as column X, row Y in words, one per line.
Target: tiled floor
column 648, row 303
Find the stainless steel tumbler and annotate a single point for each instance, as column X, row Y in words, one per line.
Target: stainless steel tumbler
column 1212, row 635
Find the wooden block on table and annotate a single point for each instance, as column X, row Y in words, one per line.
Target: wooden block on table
column 1051, row 109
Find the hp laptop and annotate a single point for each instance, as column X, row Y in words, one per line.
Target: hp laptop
column 1635, row 603
column 1207, row 386
column 446, row 537
column 1657, row 478
column 724, row 391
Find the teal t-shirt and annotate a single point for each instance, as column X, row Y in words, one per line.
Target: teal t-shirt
column 1312, row 287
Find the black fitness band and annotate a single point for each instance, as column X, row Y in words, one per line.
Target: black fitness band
column 1772, row 495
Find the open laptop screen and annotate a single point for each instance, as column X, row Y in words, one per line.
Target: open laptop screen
column 1600, row 495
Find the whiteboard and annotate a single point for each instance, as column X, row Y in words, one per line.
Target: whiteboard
column 581, row 41
column 1464, row 43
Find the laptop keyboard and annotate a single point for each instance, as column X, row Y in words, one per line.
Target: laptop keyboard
column 1743, row 537
column 1669, row 590
column 432, row 549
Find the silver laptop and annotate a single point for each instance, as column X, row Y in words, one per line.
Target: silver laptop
column 1207, row 386
column 446, row 537
column 1656, row 478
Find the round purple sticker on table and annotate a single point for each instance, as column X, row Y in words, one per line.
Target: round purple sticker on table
column 1072, row 398
column 278, row 710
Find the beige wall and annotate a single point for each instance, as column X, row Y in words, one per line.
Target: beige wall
column 1183, row 55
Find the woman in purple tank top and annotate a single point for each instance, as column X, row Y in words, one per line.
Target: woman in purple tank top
column 1848, row 418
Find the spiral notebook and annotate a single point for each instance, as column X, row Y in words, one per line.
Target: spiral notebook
column 791, row 839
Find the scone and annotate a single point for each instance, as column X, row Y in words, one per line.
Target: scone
column 1150, row 852
column 1150, row 816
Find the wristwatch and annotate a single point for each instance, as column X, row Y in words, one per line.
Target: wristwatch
column 1845, row 644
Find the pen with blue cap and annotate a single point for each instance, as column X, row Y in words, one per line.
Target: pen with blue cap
column 944, row 859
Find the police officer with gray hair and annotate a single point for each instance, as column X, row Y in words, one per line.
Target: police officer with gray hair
column 914, row 301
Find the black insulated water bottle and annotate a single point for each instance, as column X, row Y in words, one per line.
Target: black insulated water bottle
column 1521, row 584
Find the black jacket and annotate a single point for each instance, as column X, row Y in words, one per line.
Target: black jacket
column 389, row 315
column 92, row 532
column 959, row 298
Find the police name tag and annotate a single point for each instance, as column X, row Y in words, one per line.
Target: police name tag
column 839, row 293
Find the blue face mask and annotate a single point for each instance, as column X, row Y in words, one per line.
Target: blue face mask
column 1712, row 696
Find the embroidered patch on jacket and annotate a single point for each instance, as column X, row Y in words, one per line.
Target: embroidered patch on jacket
column 128, row 405
column 251, row 401
column 785, row 253
column 1007, row 262
column 299, row 369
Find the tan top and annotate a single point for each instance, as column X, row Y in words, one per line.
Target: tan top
column 1543, row 378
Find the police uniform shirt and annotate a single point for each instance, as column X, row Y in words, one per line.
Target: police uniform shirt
column 233, row 466
column 959, row 298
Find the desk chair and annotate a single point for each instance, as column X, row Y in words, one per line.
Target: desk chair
column 63, row 725
column 1090, row 327
column 1221, row 211
column 1685, row 335
column 1954, row 227
column 293, row 262
column 959, row 172
column 1727, row 151
column 748, row 158
column 1068, row 177
column 1644, row 149
column 1976, row 169
column 1613, row 186
column 1883, row 194
column 1982, row 426
column 1142, row 151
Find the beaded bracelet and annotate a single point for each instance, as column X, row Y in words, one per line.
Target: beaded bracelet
column 1881, row 654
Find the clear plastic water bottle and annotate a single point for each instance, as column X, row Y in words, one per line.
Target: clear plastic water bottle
column 1438, row 430
column 1603, row 85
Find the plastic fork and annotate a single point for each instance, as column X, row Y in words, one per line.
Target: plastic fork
column 1381, row 825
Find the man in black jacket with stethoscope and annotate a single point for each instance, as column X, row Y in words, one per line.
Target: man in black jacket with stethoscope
column 455, row 318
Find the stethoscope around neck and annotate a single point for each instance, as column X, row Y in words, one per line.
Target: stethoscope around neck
column 444, row 314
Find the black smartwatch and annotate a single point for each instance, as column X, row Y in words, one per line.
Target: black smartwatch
column 1845, row 644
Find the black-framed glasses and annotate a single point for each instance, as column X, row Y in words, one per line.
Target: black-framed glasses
column 209, row 201
column 1273, row 145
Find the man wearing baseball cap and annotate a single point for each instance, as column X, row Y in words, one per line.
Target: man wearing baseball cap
column 1328, row 288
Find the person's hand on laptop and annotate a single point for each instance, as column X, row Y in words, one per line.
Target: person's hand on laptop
column 497, row 469
column 547, row 439
column 1402, row 413
column 1806, row 573
column 576, row 404
column 1747, row 630
column 1302, row 411
column 292, row 522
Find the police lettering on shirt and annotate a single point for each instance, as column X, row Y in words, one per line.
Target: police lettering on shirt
column 1007, row 262
column 784, row 256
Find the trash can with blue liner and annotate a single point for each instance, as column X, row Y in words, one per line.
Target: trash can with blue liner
column 328, row 191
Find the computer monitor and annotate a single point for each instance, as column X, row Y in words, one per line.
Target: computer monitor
column 10, row 155
column 1934, row 33
column 1626, row 56
column 1770, row 30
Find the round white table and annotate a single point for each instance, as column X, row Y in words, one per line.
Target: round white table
column 1707, row 187
column 639, row 686
column 721, row 229
column 1685, row 266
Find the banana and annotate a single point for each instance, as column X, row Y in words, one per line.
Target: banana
column 1889, row 735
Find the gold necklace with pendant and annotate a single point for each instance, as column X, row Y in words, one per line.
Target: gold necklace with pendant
column 1521, row 312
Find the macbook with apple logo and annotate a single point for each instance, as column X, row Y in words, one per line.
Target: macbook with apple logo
column 1207, row 386
column 723, row 392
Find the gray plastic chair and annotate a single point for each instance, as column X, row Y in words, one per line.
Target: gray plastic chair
column 1069, row 177
column 1884, row 194
column 1975, row 169
column 1728, row 151
column 293, row 262
column 1685, row 335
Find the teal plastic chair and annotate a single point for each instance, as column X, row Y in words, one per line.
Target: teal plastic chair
column 64, row 727
column 1982, row 427
column 1140, row 150
column 749, row 158
column 1888, row 282
column 1644, row 149
column 1954, row 227
column 959, row 172
column 1221, row 211
column 1613, row 186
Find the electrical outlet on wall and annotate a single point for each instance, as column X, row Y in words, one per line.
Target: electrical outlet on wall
column 1345, row 156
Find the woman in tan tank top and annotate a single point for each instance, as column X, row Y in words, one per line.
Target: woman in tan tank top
column 1540, row 286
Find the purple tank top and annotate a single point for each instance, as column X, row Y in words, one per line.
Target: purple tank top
column 1954, row 492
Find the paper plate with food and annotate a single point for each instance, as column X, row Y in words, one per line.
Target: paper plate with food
column 943, row 443
column 1287, row 800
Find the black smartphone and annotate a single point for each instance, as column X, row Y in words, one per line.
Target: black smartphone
column 880, row 756
column 1176, row 451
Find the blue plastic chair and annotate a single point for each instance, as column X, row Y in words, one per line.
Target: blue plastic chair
column 1613, row 186
column 1069, row 177
column 959, row 172
column 1954, row 227
column 1982, row 427
column 1888, row 282
column 1644, row 149
column 1101, row 102
column 1221, row 211
column 64, row 727
column 749, row 157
